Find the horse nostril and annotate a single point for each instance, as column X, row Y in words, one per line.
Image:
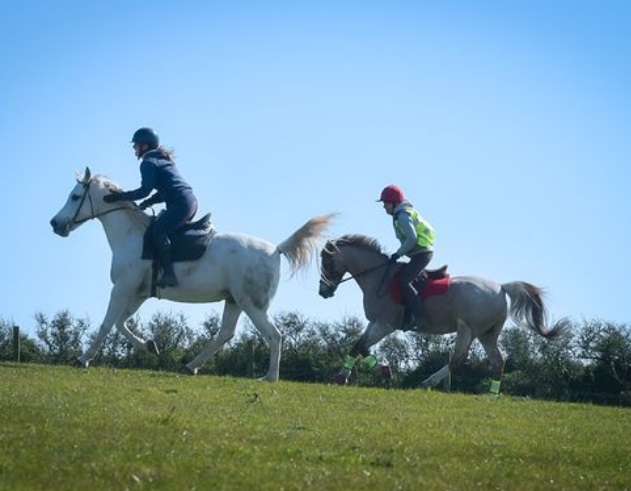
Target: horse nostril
column 325, row 293
column 53, row 223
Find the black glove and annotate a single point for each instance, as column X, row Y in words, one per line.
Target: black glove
column 113, row 197
column 394, row 256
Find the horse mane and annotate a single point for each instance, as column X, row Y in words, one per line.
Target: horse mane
column 108, row 185
column 359, row 241
column 103, row 182
column 334, row 246
column 100, row 180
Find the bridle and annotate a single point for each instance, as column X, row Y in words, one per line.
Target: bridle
column 86, row 194
column 325, row 277
column 366, row 271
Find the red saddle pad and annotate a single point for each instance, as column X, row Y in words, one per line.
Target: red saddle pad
column 432, row 288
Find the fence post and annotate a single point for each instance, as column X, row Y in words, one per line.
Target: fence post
column 16, row 342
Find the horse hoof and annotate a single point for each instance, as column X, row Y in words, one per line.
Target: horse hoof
column 271, row 380
column 385, row 371
column 152, row 347
column 188, row 370
column 80, row 364
column 339, row 379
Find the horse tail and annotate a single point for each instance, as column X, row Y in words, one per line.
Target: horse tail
column 302, row 245
column 527, row 309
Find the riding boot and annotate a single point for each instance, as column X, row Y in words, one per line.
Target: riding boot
column 164, row 256
column 420, row 320
column 414, row 313
column 419, row 305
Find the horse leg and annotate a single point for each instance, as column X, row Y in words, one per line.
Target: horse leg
column 272, row 335
column 489, row 343
column 118, row 306
column 229, row 320
column 121, row 324
column 464, row 338
column 373, row 334
column 434, row 379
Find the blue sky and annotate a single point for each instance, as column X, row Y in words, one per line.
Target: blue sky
column 506, row 123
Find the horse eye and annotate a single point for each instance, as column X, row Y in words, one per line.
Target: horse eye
column 75, row 197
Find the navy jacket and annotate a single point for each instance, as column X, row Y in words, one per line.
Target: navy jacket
column 161, row 174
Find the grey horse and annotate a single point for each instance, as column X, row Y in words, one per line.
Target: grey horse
column 472, row 307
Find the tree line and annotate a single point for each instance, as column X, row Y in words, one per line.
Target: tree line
column 594, row 365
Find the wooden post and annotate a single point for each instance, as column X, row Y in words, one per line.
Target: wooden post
column 16, row 342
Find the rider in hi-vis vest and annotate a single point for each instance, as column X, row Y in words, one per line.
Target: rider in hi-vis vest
column 417, row 242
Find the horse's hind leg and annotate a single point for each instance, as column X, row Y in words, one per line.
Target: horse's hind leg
column 464, row 338
column 272, row 335
column 489, row 343
column 231, row 313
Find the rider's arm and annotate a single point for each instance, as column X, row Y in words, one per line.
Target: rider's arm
column 156, row 198
column 406, row 227
column 148, row 183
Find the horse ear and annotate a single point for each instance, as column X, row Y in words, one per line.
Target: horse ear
column 87, row 175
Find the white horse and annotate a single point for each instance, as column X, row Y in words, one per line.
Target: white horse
column 240, row 269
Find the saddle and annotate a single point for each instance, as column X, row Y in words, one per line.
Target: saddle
column 188, row 243
column 429, row 283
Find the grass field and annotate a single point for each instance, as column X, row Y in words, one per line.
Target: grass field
column 103, row 429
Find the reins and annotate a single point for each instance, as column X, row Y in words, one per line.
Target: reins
column 86, row 186
column 380, row 293
column 353, row 276
column 79, row 222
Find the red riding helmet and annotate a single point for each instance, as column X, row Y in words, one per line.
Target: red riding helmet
column 391, row 194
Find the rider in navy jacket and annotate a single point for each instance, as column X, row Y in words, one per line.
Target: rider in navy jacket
column 158, row 172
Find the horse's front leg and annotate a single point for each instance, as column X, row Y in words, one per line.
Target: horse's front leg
column 374, row 333
column 435, row 378
column 122, row 305
column 121, row 324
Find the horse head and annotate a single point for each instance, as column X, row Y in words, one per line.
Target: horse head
column 84, row 203
column 332, row 269
column 356, row 254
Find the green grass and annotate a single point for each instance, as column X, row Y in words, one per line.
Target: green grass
column 104, row 429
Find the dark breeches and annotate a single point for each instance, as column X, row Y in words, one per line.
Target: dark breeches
column 172, row 218
column 412, row 269
column 413, row 305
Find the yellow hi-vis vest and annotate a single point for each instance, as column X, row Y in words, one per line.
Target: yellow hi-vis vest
column 424, row 231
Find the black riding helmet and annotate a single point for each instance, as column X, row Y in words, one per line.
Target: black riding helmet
column 146, row 136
